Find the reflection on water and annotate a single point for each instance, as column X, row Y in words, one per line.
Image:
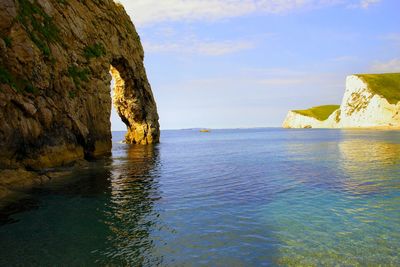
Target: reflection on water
column 101, row 214
column 359, row 151
column 259, row 197
column 346, row 207
column 130, row 213
column 369, row 165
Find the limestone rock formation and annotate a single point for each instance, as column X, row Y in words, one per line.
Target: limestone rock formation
column 370, row 101
column 55, row 63
column 316, row 117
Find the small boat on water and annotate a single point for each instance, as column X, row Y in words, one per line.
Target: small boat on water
column 204, row 130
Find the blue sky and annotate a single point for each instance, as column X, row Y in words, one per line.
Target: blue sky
column 235, row 64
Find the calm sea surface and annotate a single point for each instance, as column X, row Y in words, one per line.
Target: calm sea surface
column 257, row 197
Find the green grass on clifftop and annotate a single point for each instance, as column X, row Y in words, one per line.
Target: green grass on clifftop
column 386, row 85
column 320, row 113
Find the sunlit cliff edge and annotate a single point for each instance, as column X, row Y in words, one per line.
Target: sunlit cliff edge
column 370, row 101
column 55, row 63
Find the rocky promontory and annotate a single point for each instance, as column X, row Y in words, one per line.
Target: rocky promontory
column 56, row 62
column 370, row 101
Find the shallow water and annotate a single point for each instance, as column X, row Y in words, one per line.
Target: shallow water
column 226, row 198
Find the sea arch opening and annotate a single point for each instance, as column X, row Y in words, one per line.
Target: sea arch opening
column 117, row 83
column 133, row 102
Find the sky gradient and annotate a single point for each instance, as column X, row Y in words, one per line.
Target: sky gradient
column 238, row 64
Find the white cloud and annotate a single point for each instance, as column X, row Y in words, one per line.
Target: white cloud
column 221, row 48
column 367, row 3
column 153, row 11
column 364, row 4
column 388, row 66
column 194, row 46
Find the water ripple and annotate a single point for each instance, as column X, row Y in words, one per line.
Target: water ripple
column 261, row 197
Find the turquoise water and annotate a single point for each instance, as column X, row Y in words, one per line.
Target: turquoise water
column 259, row 197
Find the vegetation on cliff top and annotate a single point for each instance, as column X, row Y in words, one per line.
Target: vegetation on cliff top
column 386, row 85
column 320, row 113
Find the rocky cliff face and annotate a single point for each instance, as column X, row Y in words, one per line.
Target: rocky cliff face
column 363, row 106
column 55, row 63
column 296, row 120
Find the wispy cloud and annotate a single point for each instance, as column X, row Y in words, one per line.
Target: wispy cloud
column 388, row 66
column 392, row 37
column 201, row 47
column 344, row 59
column 364, row 4
column 271, row 79
column 367, row 3
column 152, row 11
column 290, row 78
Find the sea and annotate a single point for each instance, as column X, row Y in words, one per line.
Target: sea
column 234, row 197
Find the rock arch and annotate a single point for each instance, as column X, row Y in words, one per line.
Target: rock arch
column 55, row 59
column 130, row 94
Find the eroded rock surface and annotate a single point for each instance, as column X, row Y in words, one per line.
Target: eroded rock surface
column 363, row 108
column 296, row 120
column 55, row 60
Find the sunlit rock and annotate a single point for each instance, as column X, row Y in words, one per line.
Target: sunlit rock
column 55, row 59
column 370, row 101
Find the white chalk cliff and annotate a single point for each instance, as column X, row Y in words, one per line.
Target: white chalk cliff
column 297, row 120
column 370, row 101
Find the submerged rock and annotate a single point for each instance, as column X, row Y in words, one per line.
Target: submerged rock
column 370, row 101
column 55, row 63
